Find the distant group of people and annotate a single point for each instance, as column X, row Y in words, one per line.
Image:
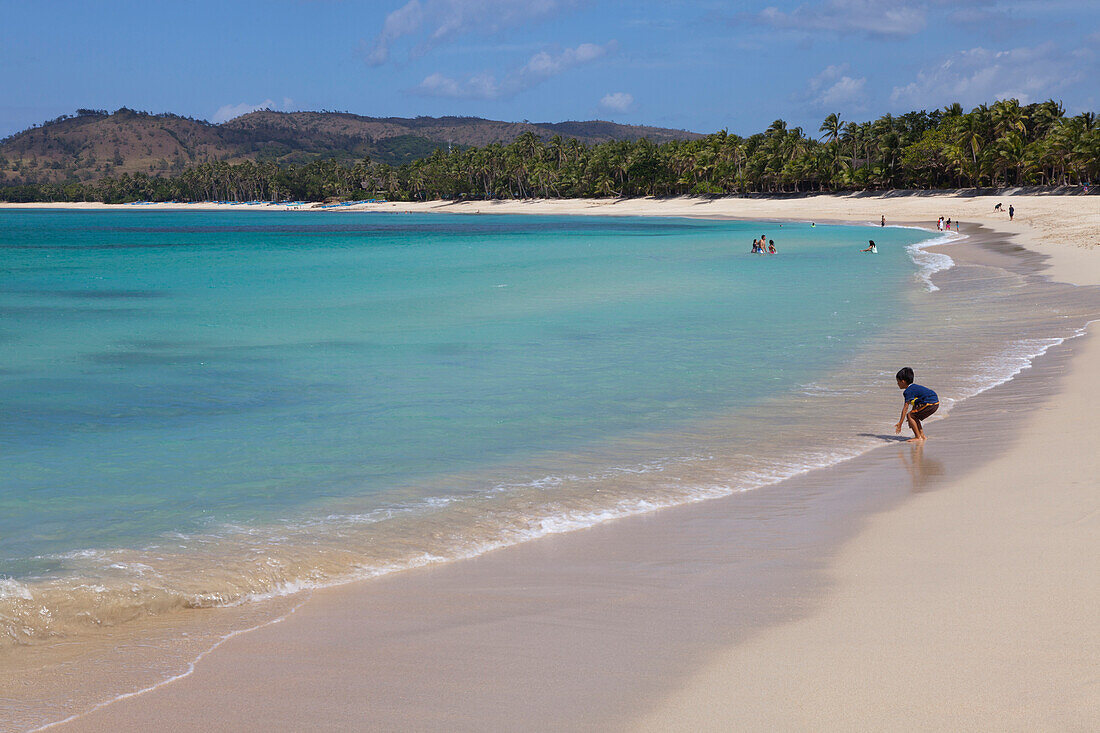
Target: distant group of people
column 945, row 224
column 763, row 246
column 1012, row 211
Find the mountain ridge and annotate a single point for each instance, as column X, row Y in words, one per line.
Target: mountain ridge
column 94, row 144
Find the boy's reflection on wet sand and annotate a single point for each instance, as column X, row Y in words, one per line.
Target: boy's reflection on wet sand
column 925, row 471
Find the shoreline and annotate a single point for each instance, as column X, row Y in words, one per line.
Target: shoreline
column 663, row 212
column 1064, row 227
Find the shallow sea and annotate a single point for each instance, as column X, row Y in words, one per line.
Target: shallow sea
column 209, row 408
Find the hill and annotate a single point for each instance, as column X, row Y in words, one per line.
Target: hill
column 93, row 144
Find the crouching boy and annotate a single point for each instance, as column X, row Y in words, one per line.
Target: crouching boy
column 920, row 404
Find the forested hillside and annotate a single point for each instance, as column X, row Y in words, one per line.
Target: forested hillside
column 999, row 145
column 95, row 144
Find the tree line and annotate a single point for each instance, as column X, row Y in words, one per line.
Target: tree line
column 1003, row 144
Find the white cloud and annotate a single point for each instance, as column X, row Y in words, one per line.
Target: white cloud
column 479, row 86
column 617, row 102
column 229, row 111
column 870, row 17
column 979, row 75
column 435, row 21
column 543, row 64
column 844, row 91
column 404, row 21
column 538, row 68
column 902, row 18
column 833, row 87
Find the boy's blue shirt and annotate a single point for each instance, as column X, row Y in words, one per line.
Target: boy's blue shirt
column 919, row 395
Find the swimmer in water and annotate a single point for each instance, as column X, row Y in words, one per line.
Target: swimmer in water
column 872, row 248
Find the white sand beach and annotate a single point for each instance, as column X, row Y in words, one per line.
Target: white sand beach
column 968, row 598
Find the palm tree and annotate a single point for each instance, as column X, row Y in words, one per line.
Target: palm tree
column 953, row 110
column 1010, row 151
column 1008, row 116
column 971, row 137
column 831, row 128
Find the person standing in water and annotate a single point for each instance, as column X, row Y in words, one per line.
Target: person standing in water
column 771, row 246
column 920, row 404
column 871, row 247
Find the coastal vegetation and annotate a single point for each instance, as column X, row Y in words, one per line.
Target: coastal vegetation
column 94, row 144
column 999, row 145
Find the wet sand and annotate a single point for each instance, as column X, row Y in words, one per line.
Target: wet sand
column 972, row 608
column 950, row 585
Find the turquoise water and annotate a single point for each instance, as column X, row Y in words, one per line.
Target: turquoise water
column 172, row 378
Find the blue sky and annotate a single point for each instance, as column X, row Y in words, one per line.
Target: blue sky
column 694, row 64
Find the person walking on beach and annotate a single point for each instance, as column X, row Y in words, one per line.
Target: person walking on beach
column 920, row 404
column 883, row 221
column 1011, row 212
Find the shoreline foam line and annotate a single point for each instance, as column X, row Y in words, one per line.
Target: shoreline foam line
column 931, row 262
column 174, row 678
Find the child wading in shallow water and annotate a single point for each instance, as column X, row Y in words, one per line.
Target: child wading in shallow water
column 920, row 404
